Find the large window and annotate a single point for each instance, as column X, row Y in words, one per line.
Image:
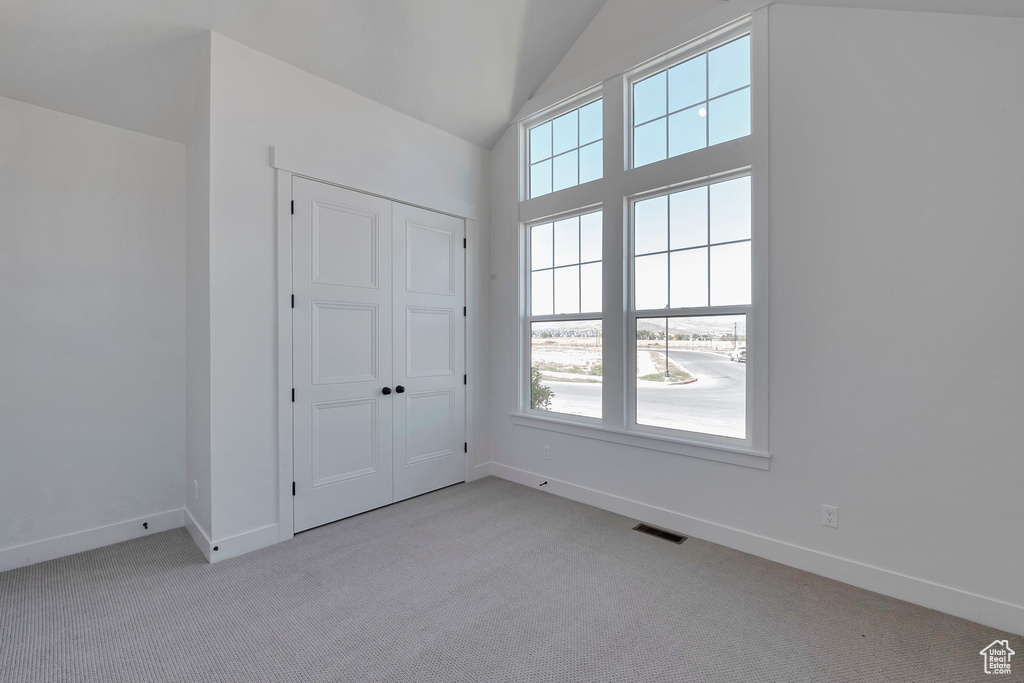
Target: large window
column 565, row 315
column 566, row 150
column 644, row 320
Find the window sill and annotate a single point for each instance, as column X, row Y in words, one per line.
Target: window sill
column 705, row 451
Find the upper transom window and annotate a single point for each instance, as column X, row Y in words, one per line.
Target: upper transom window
column 700, row 102
column 566, row 151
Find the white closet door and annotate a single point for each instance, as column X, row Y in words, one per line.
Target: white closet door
column 429, row 351
column 342, row 339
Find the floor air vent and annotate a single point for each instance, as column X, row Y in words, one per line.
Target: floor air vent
column 659, row 533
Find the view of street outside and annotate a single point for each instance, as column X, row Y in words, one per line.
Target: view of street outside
column 691, row 372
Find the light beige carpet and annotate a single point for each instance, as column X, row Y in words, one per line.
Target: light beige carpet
column 487, row 581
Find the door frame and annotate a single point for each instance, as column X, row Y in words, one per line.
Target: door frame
column 285, row 169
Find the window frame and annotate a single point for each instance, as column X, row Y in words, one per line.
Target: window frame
column 634, row 314
column 705, row 44
column 528, row 319
column 578, row 101
column 620, row 186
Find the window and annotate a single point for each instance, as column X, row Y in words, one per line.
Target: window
column 691, row 253
column 566, row 151
column 703, row 101
column 692, row 248
column 638, row 313
column 691, row 374
column 565, row 315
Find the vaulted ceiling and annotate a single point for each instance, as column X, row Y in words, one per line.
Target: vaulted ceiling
column 464, row 66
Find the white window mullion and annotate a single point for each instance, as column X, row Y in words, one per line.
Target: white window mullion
column 614, row 291
column 757, row 319
column 524, row 320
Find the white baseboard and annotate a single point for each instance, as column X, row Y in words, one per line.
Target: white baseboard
column 239, row 544
column 89, row 539
column 479, row 471
column 232, row 546
column 984, row 610
column 198, row 534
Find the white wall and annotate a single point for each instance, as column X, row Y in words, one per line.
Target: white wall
column 895, row 294
column 197, row 292
column 619, row 26
column 92, row 304
column 258, row 102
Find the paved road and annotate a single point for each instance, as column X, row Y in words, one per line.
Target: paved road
column 715, row 403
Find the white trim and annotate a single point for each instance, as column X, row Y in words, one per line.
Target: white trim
column 242, row 543
column 285, row 464
column 199, row 536
column 733, row 455
column 476, row 302
column 761, row 221
column 327, row 167
column 980, row 608
column 88, row 539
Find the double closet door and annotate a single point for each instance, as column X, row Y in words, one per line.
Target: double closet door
column 378, row 343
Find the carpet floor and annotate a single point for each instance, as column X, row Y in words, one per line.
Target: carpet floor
column 487, row 581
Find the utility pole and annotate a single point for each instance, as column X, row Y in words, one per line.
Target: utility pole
column 666, row 350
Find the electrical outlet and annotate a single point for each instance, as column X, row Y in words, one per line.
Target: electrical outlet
column 830, row 516
column 547, row 452
column 195, row 489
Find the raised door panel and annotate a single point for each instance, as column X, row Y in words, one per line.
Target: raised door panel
column 430, row 259
column 430, row 418
column 429, row 353
column 429, row 342
column 345, row 245
column 345, row 440
column 345, row 341
column 342, row 356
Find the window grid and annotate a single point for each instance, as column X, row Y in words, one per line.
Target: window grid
column 703, row 105
column 576, row 334
column 553, row 268
column 708, row 245
column 541, row 181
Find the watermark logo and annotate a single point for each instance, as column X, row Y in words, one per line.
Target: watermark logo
column 997, row 657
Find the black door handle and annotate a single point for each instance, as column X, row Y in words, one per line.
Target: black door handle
column 386, row 391
column 400, row 389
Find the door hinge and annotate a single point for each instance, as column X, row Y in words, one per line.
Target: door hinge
column 293, row 394
column 465, row 447
column 293, row 207
column 463, row 311
column 464, row 381
column 293, row 488
column 463, row 242
column 293, row 301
